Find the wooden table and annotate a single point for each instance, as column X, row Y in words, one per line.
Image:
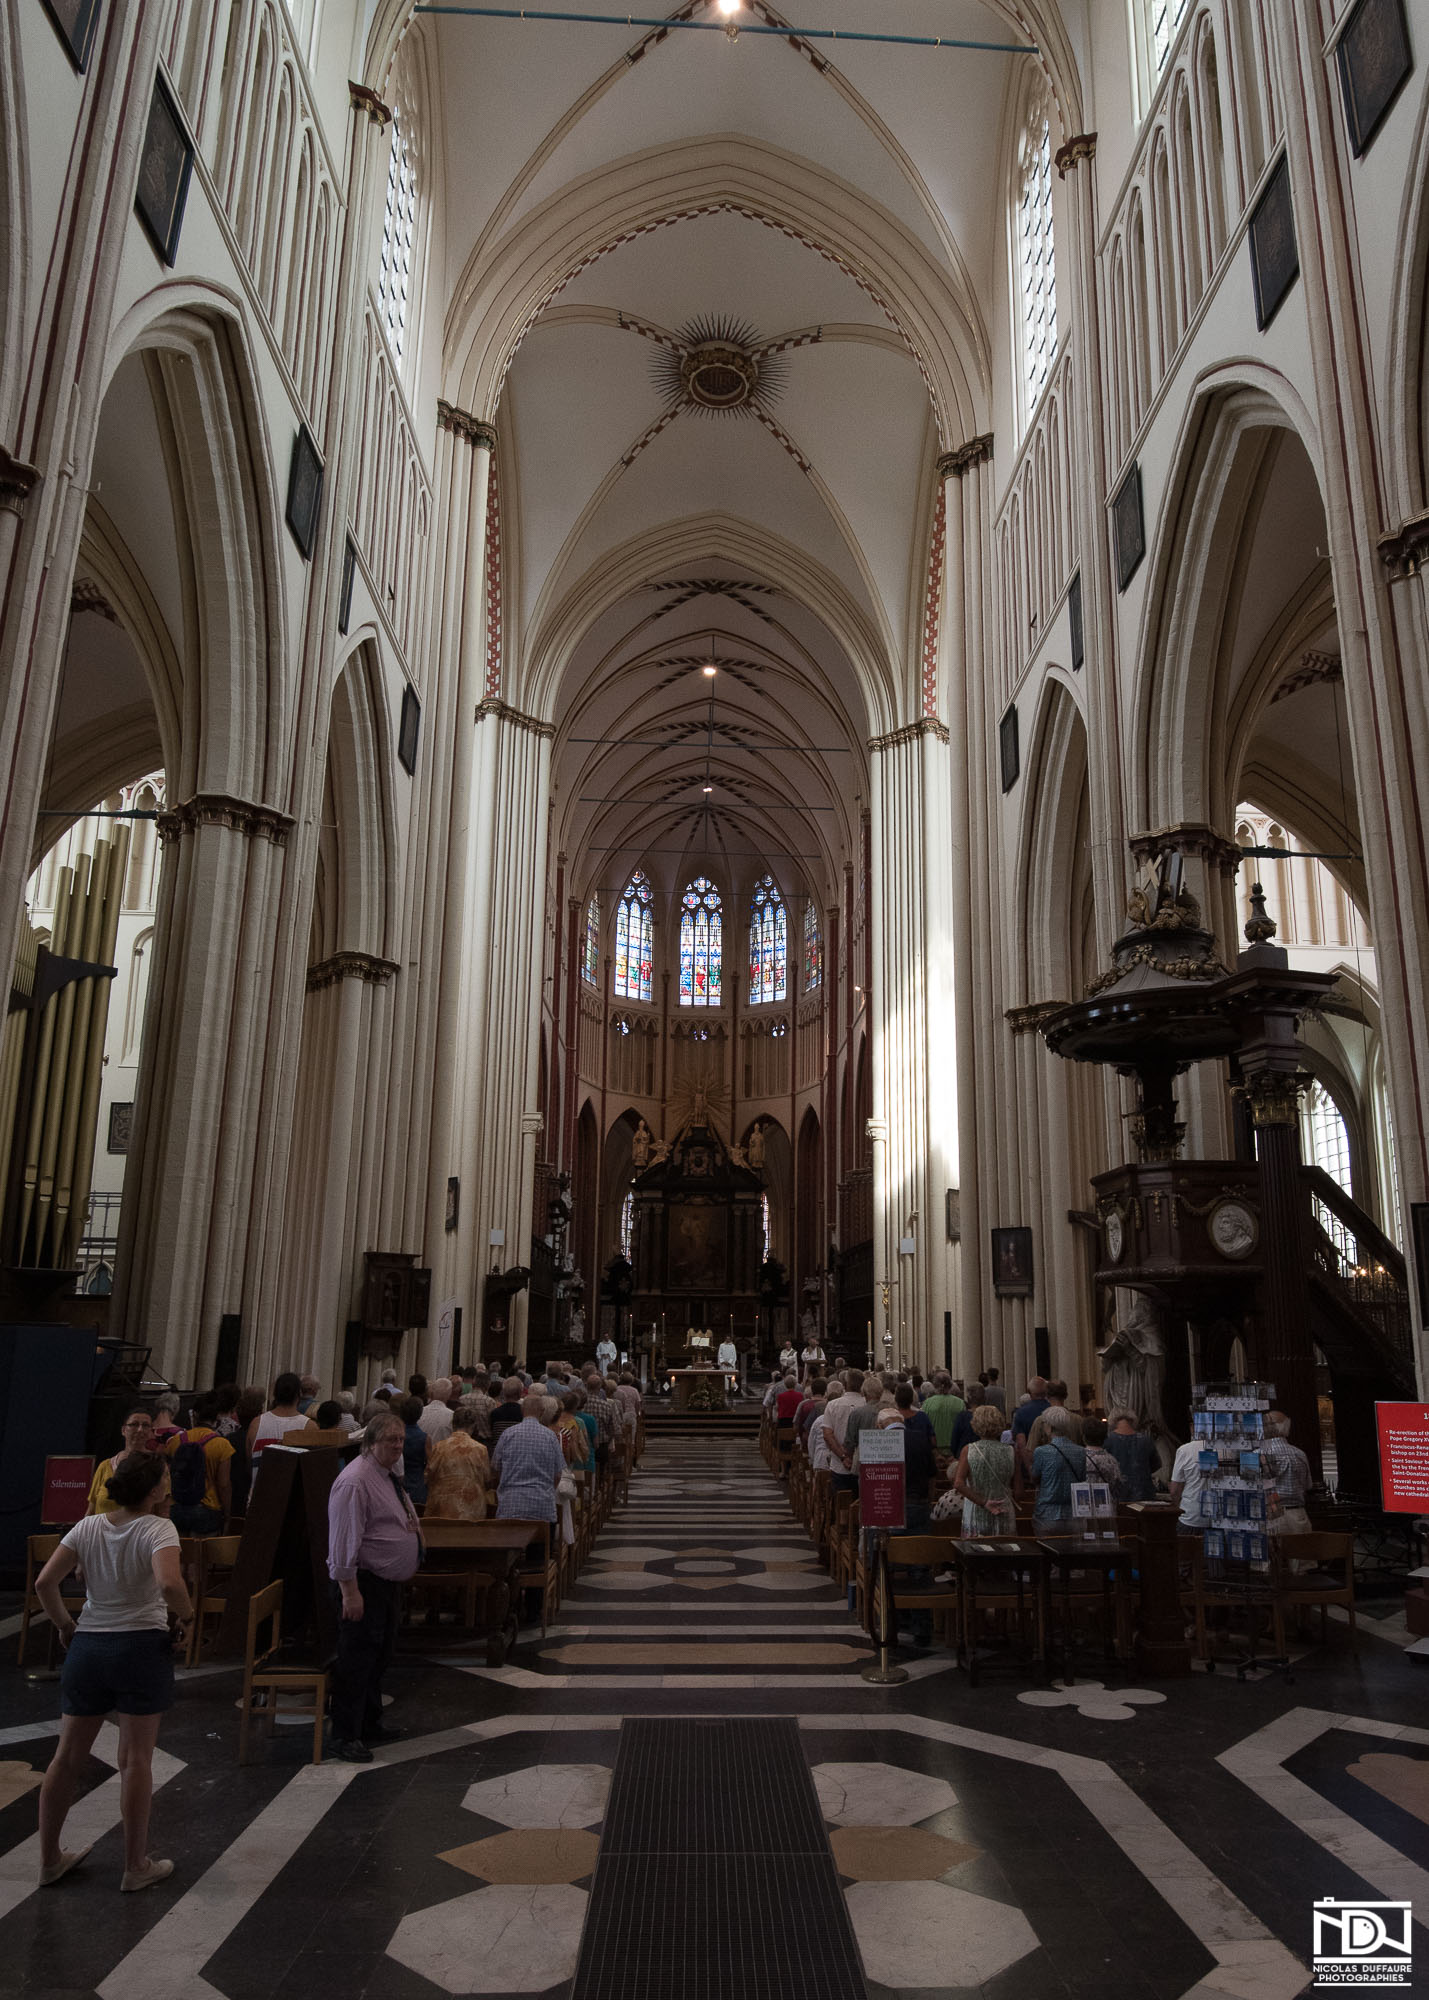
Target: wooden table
column 496, row 1547
column 1114, row 1561
column 990, row 1565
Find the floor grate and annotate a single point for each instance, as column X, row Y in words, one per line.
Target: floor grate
column 714, row 1879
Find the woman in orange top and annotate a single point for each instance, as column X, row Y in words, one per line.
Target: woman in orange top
column 458, row 1468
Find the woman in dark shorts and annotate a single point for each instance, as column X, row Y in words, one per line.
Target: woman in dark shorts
column 119, row 1658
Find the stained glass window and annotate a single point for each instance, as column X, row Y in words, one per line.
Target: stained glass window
column 627, row 1226
column 701, row 936
column 635, row 941
column 813, row 948
column 768, row 944
column 590, row 957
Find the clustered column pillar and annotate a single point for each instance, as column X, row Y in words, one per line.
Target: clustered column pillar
column 915, row 1083
column 184, row 1241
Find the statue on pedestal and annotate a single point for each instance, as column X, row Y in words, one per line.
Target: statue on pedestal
column 640, row 1147
column 754, row 1147
column 1134, row 1366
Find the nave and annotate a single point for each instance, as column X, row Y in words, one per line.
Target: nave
column 970, row 1840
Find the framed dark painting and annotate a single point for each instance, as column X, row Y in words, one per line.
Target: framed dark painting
column 305, row 492
column 1274, row 253
column 344, row 595
column 1374, row 59
column 453, row 1215
column 164, row 169
column 1012, row 1263
column 1074, row 621
column 121, row 1127
column 409, row 730
column 1128, row 524
column 1009, row 748
column 75, row 22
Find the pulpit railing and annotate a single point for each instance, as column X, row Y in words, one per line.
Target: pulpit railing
column 1350, row 1251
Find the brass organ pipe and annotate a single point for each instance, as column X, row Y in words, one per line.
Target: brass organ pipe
column 12, row 1036
column 30, row 1158
column 94, row 1067
column 81, row 904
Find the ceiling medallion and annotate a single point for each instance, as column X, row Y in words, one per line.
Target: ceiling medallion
column 719, row 365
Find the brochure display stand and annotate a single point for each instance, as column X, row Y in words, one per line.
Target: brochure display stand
column 1237, row 1496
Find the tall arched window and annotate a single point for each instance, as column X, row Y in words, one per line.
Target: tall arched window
column 590, row 952
column 701, row 937
column 635, row 941
column 1036, row 274
column 768, row 944
column 1325, row 1136
column 813, row 948
column 1166, row 18
column 627, row 1226
column 399, row 231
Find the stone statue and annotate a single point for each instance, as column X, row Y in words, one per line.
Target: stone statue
column 754, row 1146
column 1134, row 1366
column 640, row 1147
column 700, row 1115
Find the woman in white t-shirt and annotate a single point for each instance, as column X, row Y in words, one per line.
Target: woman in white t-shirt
column 119, row 1658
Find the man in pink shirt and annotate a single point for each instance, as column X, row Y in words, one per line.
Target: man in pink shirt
column 374, row 1545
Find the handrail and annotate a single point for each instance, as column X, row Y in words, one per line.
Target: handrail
column 1361, row 1226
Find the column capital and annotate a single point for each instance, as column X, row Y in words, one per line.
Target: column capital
column 342, row 965
column 363, row 99
column 254, row 822
column 926, row 725
column 1273, row 1095
column 502, row 711
column 463, row 425
column 1405, row 551
column 877, row 1130
column 977, row 451
column 1081, row 146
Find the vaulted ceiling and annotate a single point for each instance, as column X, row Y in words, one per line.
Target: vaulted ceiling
column 628, row 493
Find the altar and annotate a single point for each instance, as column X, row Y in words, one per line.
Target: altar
column 701, row 1388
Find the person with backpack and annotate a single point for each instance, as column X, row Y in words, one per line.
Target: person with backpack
column 200, row 1473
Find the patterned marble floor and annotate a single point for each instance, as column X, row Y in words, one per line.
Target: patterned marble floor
column 1161, row 1843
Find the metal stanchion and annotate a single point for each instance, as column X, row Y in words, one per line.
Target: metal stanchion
column 881, row 1671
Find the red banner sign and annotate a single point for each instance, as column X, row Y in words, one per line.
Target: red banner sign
column 1403, row 1456
column 66, row 1490
column 882, row 1478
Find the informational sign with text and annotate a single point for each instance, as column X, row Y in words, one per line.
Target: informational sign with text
column 1403, row 1456
column 882, row 1478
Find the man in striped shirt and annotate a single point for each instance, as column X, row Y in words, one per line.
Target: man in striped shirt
column 528, row 1460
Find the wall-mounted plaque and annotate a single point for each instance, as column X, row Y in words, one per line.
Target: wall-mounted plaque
column 1128, row 527
column 1009, row 748
column 305, row 492
column 1274, row 253
column 164, row 169
column 1374, row 59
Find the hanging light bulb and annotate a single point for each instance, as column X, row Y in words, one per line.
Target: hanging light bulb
column 728, row 7
column 709, row 672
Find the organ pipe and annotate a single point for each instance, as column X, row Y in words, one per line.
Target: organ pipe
column 58, row 1067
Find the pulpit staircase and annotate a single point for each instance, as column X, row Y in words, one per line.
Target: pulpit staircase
column 1359, row 1288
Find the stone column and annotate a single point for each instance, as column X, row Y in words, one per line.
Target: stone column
column 465, row 447
column 914, row 1079
column 338, row 1131
column 190, row 1179
column 48, row 426
column 1380, row 612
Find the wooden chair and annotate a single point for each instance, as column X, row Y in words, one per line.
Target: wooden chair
column 544, row 1574
column 38, row 1550
column 925, row 1551
column 212, row 1573
column 469, row 1586
column 1333, row 1554
column 264, row 1686
column 784, row 1447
